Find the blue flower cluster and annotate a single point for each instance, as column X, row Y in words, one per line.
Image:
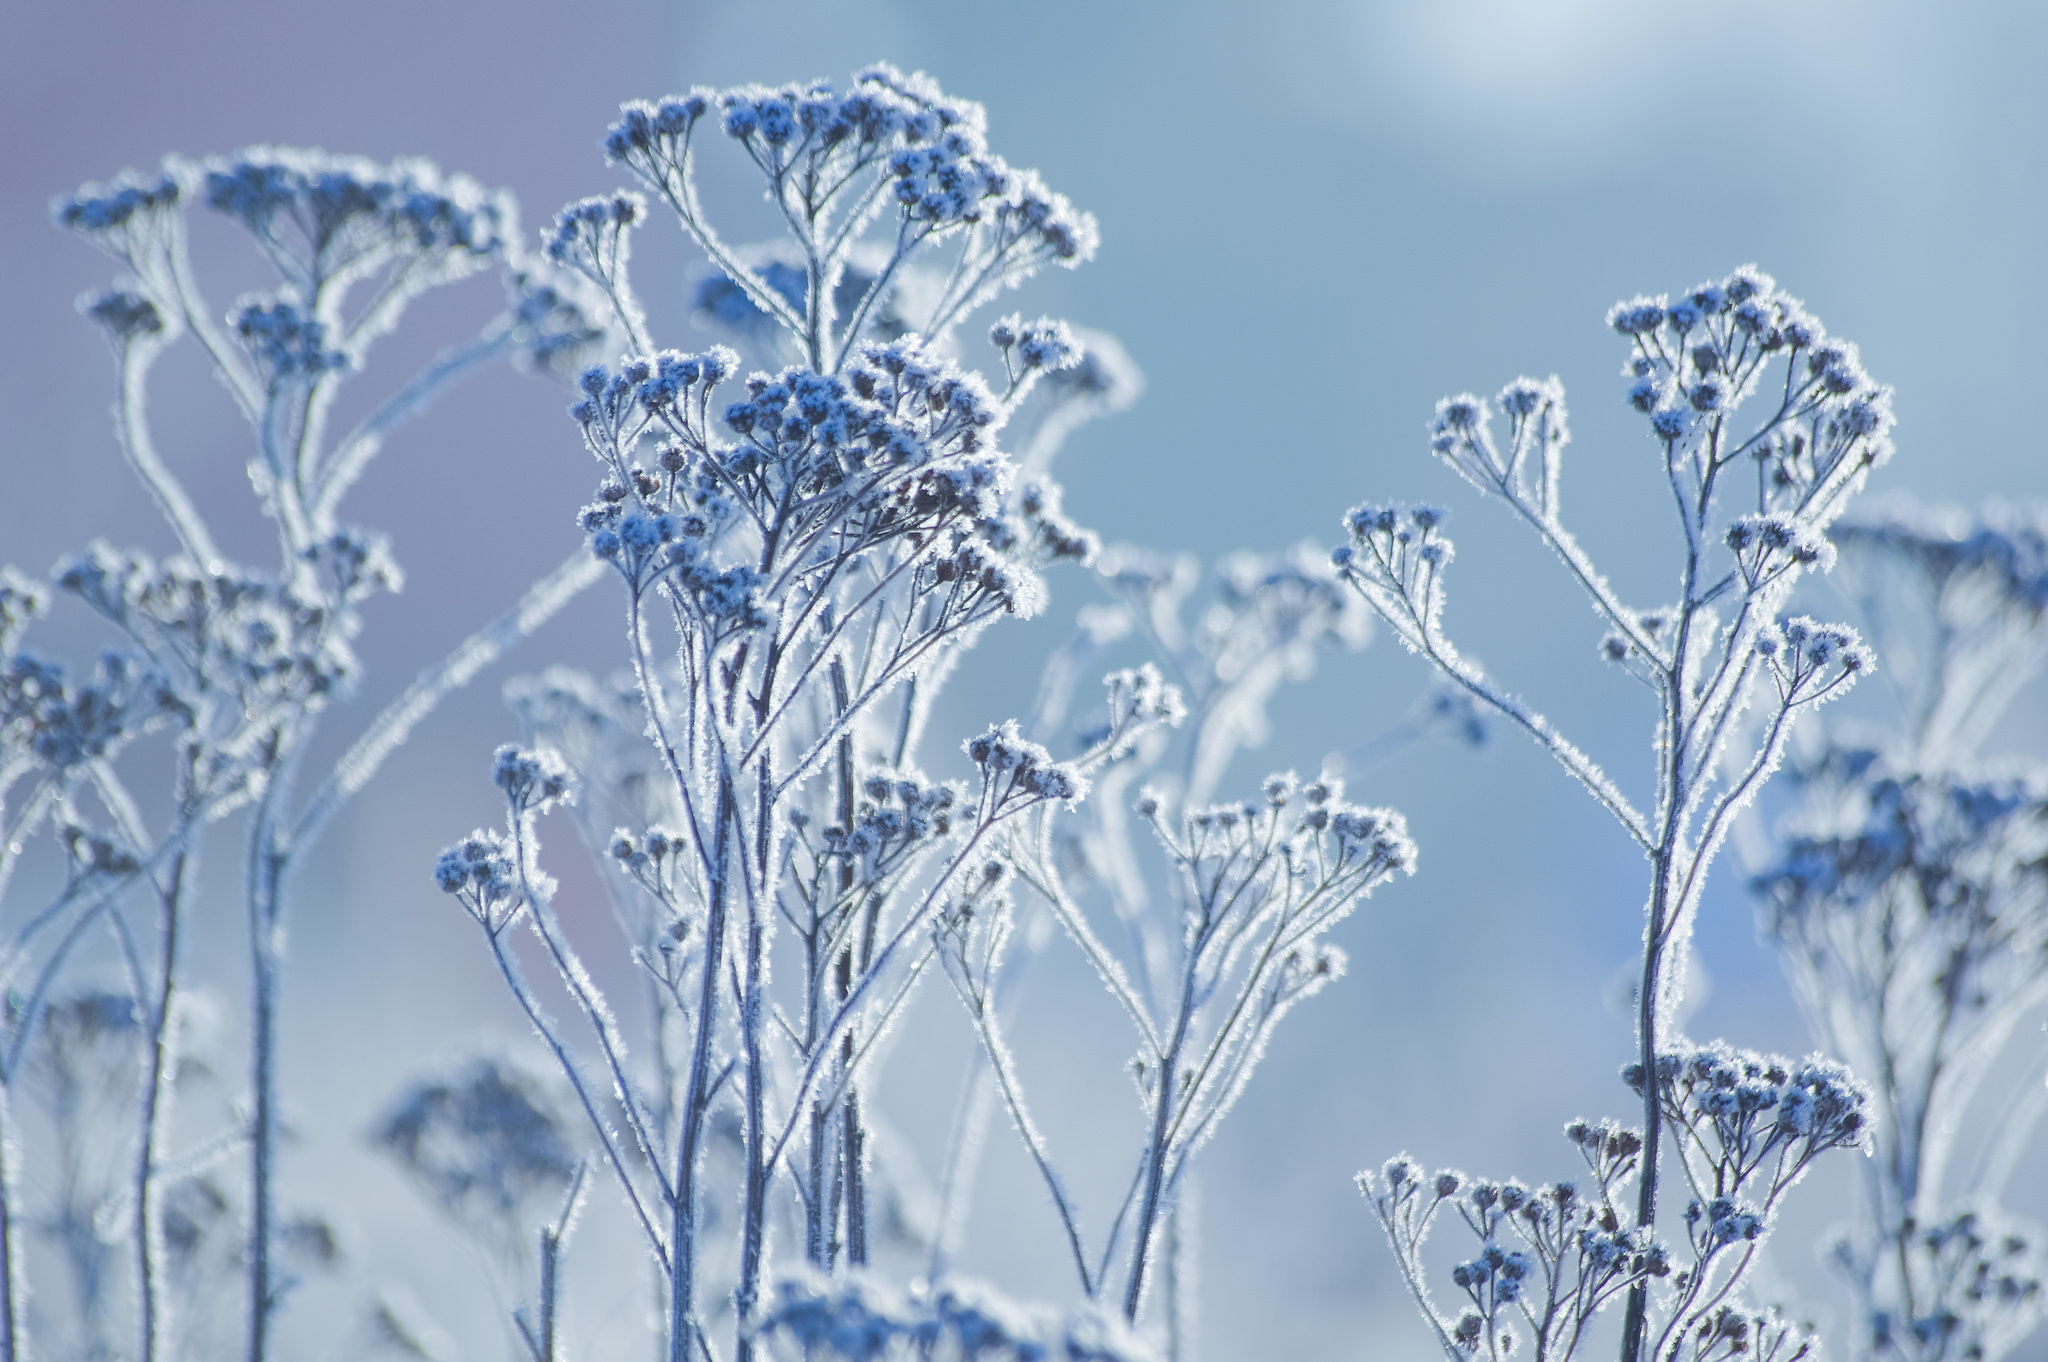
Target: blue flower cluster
column 1495, row 1278
column 1744, row 1113
column 718, row 301
column 815, row 144
column 97, row 208
column 856, row 1319
column 1139, row 697
column 1576, row 1254
column 287, row 345
column 1376, row 837
column 488, row 1140
column 482, row 871
column 1396, row 559
column 884, row 109
column 1697, row 358
column 63, row 726
column 1327, row 837
column 1981, row 1291
column 126, row 314
column 358, row 562
column 1767, row 545
column 898, row 815
column 1045, row 344
column 1940, row 849
column 558, row 320
column 22, row 601
column 320, row 215
column 1729, row 1332
column 1044, row 526
column 1812, row 661
column 533, row 782
column 93, row 854
column 1279, row 603
column 264, row 642
column 588, row 233
column 1016, row 772
column 2005, row 547
column 898, row 448
column 637, row 852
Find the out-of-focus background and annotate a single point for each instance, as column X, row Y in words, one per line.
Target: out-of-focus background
column 1317, row 218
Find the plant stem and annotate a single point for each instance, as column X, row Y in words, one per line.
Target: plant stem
column 1162, row 1120
column 13, row 1286
column 682, row 1312
column 152, row 1324
column 1636, row 1320
column 266, row 949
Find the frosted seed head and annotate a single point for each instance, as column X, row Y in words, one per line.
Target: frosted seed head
column 1670, row 423
column 1461, row 413
column 1637, row 317
column 1522, row 398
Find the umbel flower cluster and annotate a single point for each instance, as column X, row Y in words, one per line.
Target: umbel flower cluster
column 807, row 520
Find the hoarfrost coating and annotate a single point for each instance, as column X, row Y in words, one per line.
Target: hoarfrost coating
column 805, row 523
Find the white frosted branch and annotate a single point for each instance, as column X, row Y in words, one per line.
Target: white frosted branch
column 142, row 456
column 362, row 445
column 1582, row 767
column 476, row 652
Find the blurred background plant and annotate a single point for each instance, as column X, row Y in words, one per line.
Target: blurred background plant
column 1908, row 899
column 232, row 669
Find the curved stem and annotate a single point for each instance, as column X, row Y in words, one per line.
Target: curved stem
column 1567, row 754
column 1013, row 1098
column 136, row 443
column 508, row 966
column 576, row 980
column 681, row 193
column 391, row 728
column 355, row 452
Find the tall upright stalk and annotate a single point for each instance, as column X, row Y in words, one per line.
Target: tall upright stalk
column 683, row 1324
column 161, row 1063
column 266, row 959
column 1695, row 362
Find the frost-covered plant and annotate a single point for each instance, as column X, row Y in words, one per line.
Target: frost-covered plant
column 233, row 666
column 1745, row 1127
column 1755, row 500
column 1255, row 885
column 858, row 531
column 1909, row 902
column 802, row 567
column 805, row 554
column 1263, row 622
column 855, row 1318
